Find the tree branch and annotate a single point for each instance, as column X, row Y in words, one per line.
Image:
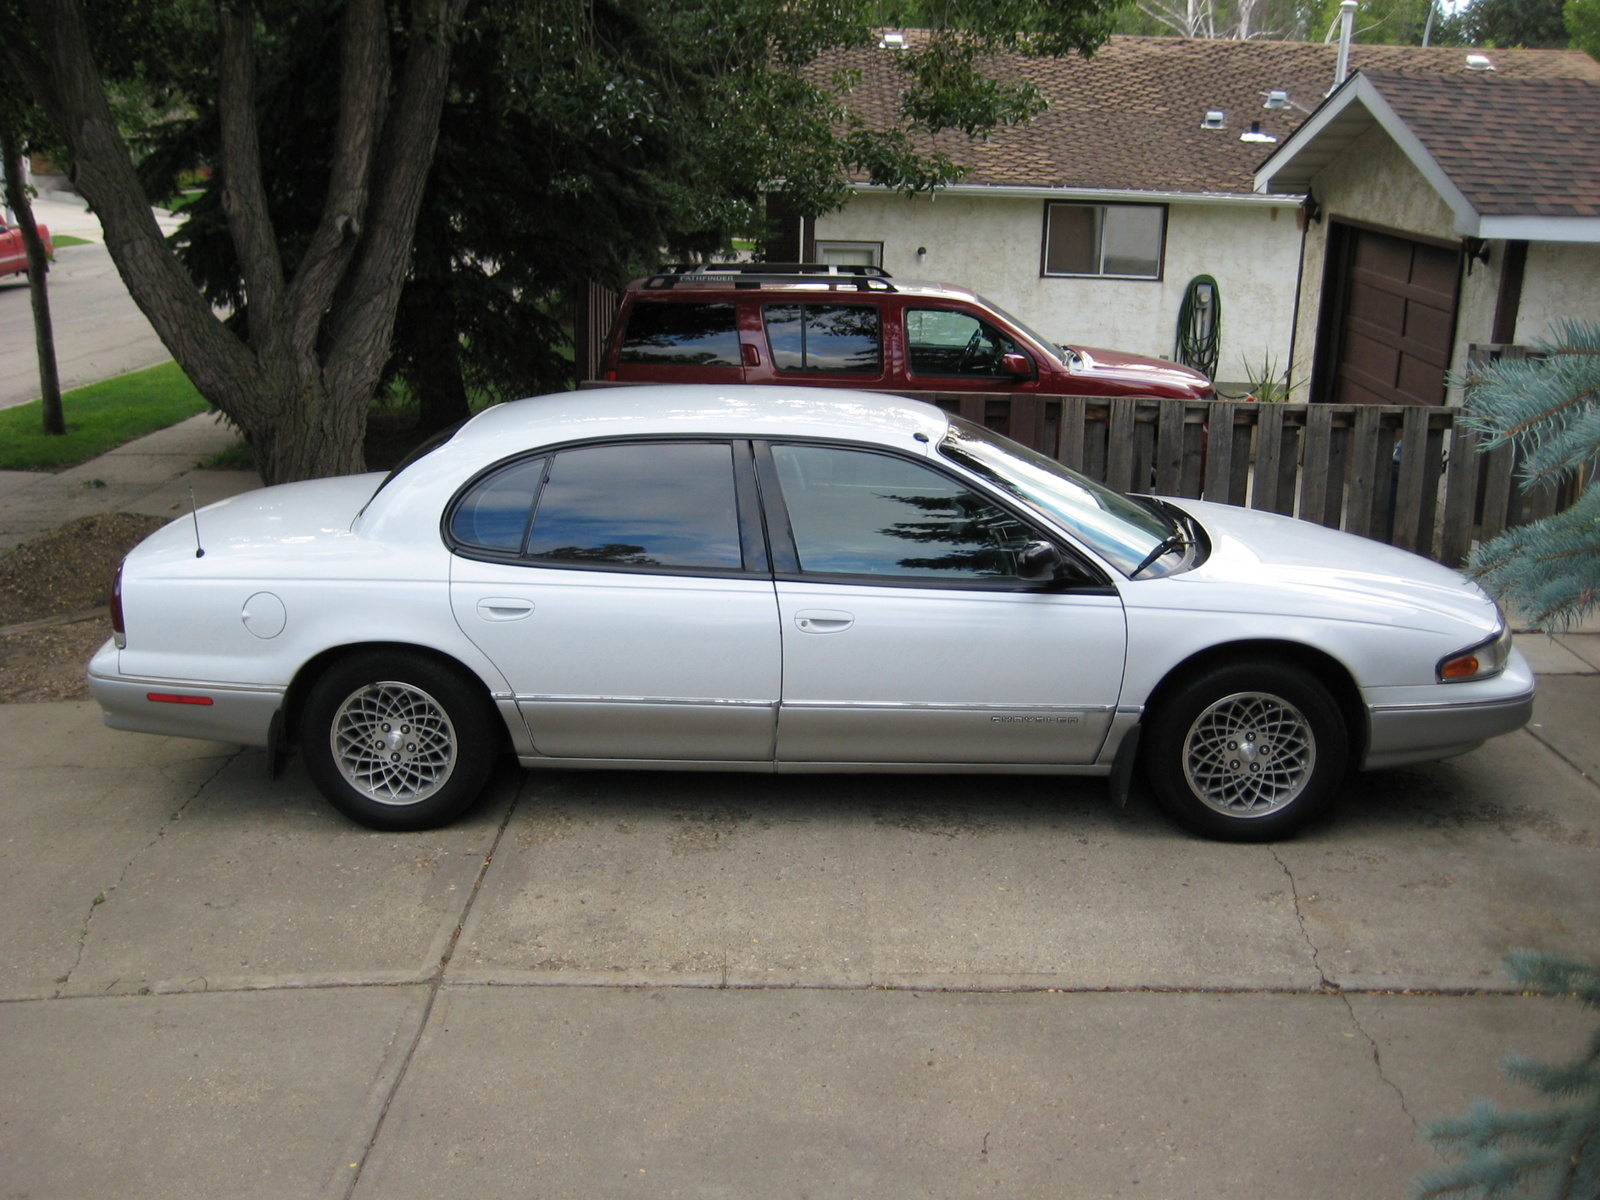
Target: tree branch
column 74, row 98
column 244, row 196
column 363, row 87
column 359, row 341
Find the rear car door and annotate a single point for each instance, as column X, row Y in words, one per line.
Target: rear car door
column 908, row 636
column 623, row 590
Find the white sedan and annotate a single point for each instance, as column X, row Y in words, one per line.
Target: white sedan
column 794, row 580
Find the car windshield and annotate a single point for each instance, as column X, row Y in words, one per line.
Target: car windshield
column 1054, row 348
column 1122, row 531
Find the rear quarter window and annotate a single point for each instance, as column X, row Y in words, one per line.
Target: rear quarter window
column 678, row 333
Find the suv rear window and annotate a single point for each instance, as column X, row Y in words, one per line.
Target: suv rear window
column 662, row 332
column 824, row 337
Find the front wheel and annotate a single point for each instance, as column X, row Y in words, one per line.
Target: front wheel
column 1248, row 751
column 397, row 741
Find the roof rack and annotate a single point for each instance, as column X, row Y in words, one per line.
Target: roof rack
column 862, row 277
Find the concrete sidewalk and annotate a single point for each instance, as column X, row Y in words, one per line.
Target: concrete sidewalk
column 635, row 984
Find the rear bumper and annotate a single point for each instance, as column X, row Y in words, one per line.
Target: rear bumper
column 236, row 713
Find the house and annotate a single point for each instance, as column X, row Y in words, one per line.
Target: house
column 1090, row 222
column 1448, row 211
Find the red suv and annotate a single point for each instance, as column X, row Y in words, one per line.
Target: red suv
column 853, row 326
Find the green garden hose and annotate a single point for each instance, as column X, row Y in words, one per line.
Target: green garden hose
column 1200, row 326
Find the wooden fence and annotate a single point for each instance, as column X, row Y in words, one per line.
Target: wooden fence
column 1409, row 476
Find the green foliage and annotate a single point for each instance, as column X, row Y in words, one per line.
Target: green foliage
column 588, row 140
column 1552, row 1153
column 1549, row 408
column 1583, row 24
column 100, row 417
column 1536, row 24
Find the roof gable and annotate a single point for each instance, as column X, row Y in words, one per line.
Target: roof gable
column 1514, row 158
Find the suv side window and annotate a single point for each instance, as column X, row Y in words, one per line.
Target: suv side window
column 942, row 341
column 663, row 332
column 844, row 338
column 856, row 512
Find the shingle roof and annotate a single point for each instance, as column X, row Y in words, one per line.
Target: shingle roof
column 1513, row 146
column 1130, row 118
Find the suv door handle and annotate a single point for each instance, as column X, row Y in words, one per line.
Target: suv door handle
column 822, row 620
column 752, row 354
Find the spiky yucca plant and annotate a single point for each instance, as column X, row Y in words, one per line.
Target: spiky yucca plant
column 1551, row 1153
column 1549, row 408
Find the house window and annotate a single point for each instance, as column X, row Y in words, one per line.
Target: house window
column 1124, row 241
column 851, row 254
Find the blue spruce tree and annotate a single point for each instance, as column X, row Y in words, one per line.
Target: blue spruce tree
column 1551, row 1153
column 1549, row 408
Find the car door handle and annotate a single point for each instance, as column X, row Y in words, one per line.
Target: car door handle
column 822, row 620
column 499, row 608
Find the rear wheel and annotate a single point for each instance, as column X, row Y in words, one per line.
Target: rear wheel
column 1247, row 752
column 397, row 741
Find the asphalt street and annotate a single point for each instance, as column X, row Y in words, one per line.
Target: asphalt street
column 99, row 331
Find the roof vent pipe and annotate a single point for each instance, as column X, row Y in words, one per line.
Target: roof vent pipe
column 1347, row 20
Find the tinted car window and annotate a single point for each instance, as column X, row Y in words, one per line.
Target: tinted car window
column 683, row 334
column 859, row 513
column 494, row 514
column 661, row 504
column 824, row 337
column 942, row 341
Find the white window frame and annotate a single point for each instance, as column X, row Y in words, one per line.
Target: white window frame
column 1044, row 243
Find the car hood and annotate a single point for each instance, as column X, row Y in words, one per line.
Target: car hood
column 314, row 516
column 1139, row 369
column 1295, row 567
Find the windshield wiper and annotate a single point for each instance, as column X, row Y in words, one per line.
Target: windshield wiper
column 1173, row 541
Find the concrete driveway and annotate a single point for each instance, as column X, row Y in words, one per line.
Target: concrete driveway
column 714, row 985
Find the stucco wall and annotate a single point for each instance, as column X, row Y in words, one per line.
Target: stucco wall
column 993, row 246
column 1561, row 281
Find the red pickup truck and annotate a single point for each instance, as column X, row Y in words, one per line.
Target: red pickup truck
column 13, row 254
column 856, row 327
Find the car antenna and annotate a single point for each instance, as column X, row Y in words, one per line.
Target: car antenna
column 199, row 551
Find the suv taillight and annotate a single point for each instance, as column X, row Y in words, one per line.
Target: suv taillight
column 119, row 627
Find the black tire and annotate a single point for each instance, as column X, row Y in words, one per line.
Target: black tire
column 1247, row 752
column 398, row 741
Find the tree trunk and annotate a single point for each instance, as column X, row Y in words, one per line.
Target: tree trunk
column 300, row 389
column 43, row 331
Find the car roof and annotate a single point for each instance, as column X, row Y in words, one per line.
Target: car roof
column 674, row 410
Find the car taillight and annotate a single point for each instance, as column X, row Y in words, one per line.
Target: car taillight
column 119, row 627
column 611, row 376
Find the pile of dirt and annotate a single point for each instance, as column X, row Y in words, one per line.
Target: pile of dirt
column 68, row 569
column 62, row 582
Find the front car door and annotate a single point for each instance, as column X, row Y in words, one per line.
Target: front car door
column 623, row 590
column 908, row 636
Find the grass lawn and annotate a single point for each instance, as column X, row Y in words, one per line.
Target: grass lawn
column 66, row 239
column 100, row 417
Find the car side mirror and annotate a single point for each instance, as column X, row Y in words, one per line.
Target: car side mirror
column 1016, row 365
column 1039, row 562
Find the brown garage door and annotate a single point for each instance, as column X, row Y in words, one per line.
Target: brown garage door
column 1394, row 311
